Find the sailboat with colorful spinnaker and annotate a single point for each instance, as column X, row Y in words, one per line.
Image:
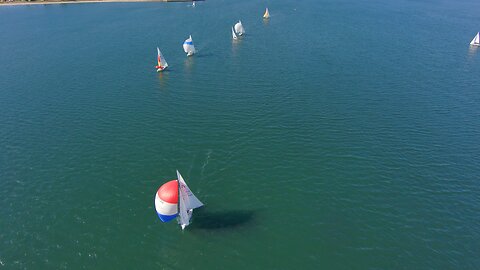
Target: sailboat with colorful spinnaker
column 188, row 46
column 161, row 62
column 239, row 28
column 174, row 199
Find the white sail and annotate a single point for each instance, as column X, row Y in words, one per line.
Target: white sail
column 191, row 202
column 267, row 14
column 234, row 36
column 161, row 60
column 187, row 202
column 476, row 40
column 188, row 46
column 239, row 28
column 183, row 215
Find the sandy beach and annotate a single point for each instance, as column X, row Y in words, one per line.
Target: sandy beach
column 21, row 3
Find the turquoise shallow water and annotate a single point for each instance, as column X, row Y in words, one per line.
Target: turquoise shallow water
column 337, row 135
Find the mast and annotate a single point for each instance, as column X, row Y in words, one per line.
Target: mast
column 178, row 204
column 179, row 213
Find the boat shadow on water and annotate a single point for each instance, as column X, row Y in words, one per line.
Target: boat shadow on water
column 221, row 219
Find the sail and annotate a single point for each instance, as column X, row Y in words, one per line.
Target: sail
column 189, row 199
column 162, row 63
column 188, row 46
column 159, row 58
column 476, row 39
column 183, row 216
column 233, row 34
column 266, row 15
column 239, row 28
column 166, row 201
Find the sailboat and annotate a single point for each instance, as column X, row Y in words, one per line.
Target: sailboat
column 234, row 36
column 174, row 199
column 161, row 62
column 476, row 40
column 188, row 46
column 239, row 28
column 266, row 15
column 193, row 3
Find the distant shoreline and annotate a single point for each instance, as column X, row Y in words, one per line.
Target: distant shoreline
column 49, row 2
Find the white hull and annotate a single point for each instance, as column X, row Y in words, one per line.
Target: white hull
column 189, row 213
column 160, row 70
column 190, row 53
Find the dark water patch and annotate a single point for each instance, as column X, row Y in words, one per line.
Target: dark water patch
column 225, row 219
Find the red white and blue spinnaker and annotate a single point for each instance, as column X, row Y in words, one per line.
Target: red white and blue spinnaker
column 175, row 199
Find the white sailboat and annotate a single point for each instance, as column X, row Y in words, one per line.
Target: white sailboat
column 188, row 46
column 186, row 203
column 234, row 36
column 267, row 14
column 239, row 28
column 193, row 3
column 476, row 40
column 161, row 62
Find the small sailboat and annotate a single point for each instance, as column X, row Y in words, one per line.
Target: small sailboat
column 267, row 14
column 174, row 199
column 476, row 40
column 234, row 36
column 239, row 28
column 188, row 46
column 161, row 62
column 193, row 3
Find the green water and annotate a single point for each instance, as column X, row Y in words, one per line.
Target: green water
column 336, row 135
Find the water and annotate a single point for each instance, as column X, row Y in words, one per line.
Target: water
column 336, row 135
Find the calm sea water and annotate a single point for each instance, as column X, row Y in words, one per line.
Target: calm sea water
column 337, row 135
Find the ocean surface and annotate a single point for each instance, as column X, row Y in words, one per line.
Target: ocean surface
column 339, row 134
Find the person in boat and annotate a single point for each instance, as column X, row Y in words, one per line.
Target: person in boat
column 159, row 67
